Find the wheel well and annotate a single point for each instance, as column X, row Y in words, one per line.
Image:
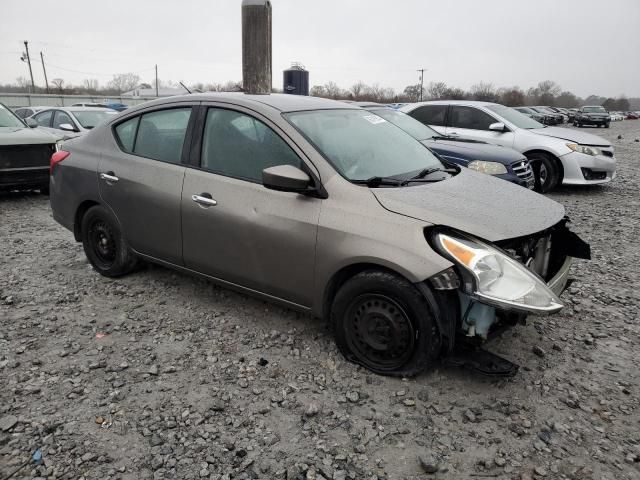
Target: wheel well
column 82, row 209
column 341, row 276
column 550, row 155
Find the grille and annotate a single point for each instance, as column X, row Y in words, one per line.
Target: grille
column 24, row 156
column 524, row 171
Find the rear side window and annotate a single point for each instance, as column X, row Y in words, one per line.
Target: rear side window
column 126, row 134
column 430, row 114
column 240, row 146
column 469, row 117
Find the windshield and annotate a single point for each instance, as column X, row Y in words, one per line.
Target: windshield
column 92, row 119
column 413, row 127
column 8, row 118
column 361, row 145
column 595, row 109
column 518, row 119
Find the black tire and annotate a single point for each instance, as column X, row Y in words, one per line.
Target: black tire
column 575, row 124
column 44, row 189
column 545, row 170
column 382, row 322
column 606, row 125
column 104, row 244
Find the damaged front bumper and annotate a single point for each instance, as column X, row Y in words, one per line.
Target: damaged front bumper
column 548, row 254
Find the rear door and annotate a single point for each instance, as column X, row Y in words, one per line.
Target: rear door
column 141, row 178
column 471, row 123
column 233, row 227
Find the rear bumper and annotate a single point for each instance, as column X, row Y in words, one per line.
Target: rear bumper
column 24, row 177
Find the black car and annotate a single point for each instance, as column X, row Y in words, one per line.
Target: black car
column 538, row 117
column 549, row 117
column 547, row 110
column 500, row 162
column 592, row 115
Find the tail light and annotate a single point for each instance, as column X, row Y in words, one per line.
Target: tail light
column 56, row 158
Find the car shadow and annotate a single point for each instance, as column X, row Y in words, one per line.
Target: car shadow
column 21, row 194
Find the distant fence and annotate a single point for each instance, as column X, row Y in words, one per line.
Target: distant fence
column 14, row 100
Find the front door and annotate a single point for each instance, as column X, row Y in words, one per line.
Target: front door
column 234, row 228
column 141, row 180
column 472, row 123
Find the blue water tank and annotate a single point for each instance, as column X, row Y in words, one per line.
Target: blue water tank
column 296, row 80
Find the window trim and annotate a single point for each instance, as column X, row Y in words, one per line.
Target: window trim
column 186, row 144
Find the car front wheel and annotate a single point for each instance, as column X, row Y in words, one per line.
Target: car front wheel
column 382, row 322
column 104, row 244
column 545, row 170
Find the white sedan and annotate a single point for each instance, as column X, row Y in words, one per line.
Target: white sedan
column 72, row 121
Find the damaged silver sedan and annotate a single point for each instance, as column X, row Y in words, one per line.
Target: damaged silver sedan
column 322, row 207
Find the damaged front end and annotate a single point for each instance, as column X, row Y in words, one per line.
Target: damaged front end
column 495, row 285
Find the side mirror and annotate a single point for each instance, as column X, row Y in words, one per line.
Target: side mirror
column 31, row 123
column 498, row 127
column 67, row 127
column 286, row 178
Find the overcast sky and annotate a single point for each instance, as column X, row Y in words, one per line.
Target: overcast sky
column 587, row 46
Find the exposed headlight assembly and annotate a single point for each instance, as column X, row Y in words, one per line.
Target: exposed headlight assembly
column 584, row 149
column 496, row 278
column 490, row 168
column 59, row 145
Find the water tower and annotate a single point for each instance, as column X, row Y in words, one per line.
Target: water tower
column 296, row 80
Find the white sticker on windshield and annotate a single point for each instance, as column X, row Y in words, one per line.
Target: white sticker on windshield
column 375, row 119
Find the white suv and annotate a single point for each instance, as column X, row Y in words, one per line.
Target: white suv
column 558, row 155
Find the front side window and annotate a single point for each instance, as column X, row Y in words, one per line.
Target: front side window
column 430, row 114
column 240, row 146
column 44, row 118
column 61, row 118
column 161, row 134
column 470, row 118
column 361, row 145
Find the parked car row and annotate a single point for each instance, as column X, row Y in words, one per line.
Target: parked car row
column 358, row 214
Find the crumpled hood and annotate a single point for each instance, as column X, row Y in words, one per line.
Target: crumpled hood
column 25, row 136
column 572, row 135
column 475, row 203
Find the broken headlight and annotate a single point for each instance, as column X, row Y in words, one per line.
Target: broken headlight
column 496, row 278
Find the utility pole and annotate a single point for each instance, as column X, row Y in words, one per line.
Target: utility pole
column 28, row 58
column 256, row 46
column 45, row 72
column 421, row 70
column 157, row 80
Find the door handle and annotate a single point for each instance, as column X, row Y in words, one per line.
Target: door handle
column 204, row 199
column 109, row 177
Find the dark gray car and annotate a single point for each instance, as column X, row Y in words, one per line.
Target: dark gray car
column 320, row 206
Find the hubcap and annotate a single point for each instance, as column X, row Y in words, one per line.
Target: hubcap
column 103, row 243
column 379, row 332
column 543, row 173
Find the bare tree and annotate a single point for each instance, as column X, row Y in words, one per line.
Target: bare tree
column 23, row 83
column 512, row 97
column 358, row 90
column 412, row 93
column 59, row 84
column 317, row 91
column 484, row 92
column 124, row 82
column 91, row 85
column 332, row 90
column 437, row 90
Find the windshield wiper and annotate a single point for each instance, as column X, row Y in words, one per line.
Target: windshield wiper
column 378, row 182
column 428, row 171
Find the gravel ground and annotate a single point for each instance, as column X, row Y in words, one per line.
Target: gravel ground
column 162, row 375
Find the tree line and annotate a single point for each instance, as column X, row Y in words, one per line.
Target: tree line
column 546, row 92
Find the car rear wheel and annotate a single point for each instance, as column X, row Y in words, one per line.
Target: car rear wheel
column 545, row 170
column 382, row 322
column 104, row 244
column 606, row 125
